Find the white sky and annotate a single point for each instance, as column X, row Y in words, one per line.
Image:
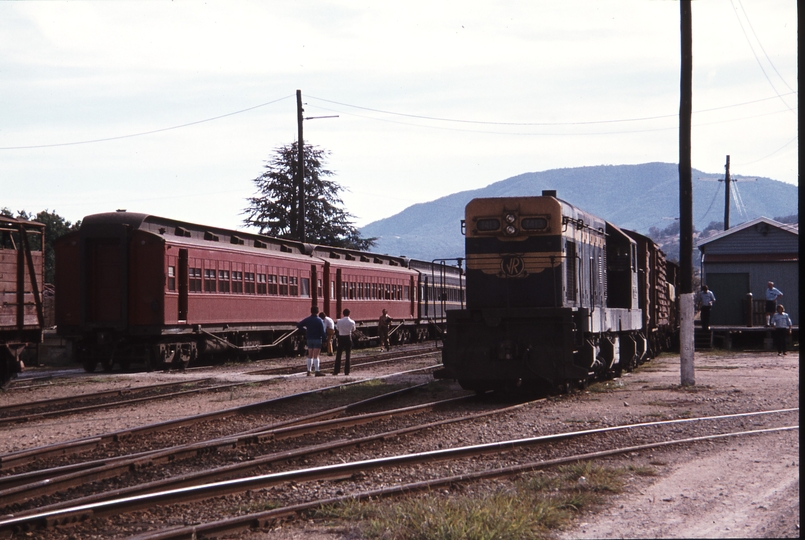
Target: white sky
column 596, row 81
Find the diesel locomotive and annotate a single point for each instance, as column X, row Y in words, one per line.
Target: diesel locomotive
column 555, row 296
column 137, row 288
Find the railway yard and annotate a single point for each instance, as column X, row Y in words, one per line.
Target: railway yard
column 258, row 450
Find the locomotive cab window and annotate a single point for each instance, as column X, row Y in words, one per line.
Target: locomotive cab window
column 171, row 278
column 534, row 223
column 487, row 224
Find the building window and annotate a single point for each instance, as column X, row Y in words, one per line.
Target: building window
column 223, row 281
column 261, row 284
column 171, row 278
column 249, row 286
column 209, row 280
column 194, row 284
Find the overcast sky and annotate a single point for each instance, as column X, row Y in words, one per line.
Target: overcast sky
column 172, row 107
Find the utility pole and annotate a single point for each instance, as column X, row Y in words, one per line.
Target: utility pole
column 686, row 331
column 727, row 196
column 300, row 169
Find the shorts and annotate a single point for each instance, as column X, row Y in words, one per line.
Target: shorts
column 771, row 306
column 314, row 344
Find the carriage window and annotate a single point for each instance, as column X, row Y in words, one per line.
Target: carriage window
column 209, row 280
column 249, row 286
column 294, row 286
column 171, row 278
column 194, row 284
column 261, row 284
column 223, row 281
column 237, row 282
column 406, row 292
column 319, row 289
column 305, row 290
column 272, row 285
column 283, row 285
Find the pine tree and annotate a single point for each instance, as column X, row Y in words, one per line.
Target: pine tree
column 274, row 210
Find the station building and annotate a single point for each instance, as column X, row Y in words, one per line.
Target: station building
column 742, row 260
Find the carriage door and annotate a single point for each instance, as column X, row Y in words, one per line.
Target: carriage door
column 106, row 281
column 183, row 284
column 338, row 294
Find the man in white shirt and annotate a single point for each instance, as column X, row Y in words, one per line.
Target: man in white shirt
column 345, row 326
column 329, row 329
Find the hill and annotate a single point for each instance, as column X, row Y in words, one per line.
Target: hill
column 636, row 197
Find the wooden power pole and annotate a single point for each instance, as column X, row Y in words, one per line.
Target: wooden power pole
column 300, row 171
column 686, row 330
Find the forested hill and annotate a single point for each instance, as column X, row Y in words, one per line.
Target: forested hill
column 635, row 197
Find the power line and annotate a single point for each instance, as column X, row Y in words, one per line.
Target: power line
column 759, row 63
column 143, row 132
column 464, row 121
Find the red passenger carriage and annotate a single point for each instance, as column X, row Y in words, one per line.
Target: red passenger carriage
column 134, row 287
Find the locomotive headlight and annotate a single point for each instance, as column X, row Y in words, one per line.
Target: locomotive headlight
column 511, row 218
column 511, row 230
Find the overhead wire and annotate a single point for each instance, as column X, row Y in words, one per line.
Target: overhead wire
column 759, row 63
column 151, row 132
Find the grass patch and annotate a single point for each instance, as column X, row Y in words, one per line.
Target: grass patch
column 534, row 506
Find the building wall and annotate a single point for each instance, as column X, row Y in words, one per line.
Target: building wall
column 785, row 276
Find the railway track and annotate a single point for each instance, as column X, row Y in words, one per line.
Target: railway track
column 614, row 440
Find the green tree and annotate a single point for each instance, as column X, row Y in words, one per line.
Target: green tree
column 274, row 209
column 55, row 226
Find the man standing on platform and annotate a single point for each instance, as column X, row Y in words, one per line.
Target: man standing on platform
column 772, row 294
column 706, row 301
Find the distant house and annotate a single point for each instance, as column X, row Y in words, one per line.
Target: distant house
column 744, row 259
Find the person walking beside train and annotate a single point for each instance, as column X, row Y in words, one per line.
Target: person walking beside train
column 772, row 294
column 329, row 330
column 706, row 301
column 782, row 328
column 314, row 334
column 345, row 326
column 383, row 325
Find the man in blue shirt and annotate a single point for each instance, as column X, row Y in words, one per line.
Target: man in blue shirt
column 772, row 294
column 314, row 334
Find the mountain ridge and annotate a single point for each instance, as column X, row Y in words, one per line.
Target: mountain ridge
column 635, row 197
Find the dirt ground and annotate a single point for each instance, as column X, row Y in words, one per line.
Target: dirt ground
column 745, row 487
column 748, row 488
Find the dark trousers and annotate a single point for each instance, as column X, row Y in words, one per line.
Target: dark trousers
column 780, row 338
column 344, row 344
column 706, row 317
